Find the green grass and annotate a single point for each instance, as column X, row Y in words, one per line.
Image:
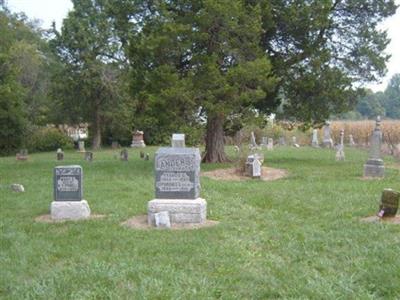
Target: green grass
column 298, row 237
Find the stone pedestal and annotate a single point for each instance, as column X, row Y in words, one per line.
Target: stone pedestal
column 188, row 211
column 69, row 210
column 374, row 168
column 137, row 140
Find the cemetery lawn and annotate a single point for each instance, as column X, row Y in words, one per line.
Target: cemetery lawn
column 297, row 237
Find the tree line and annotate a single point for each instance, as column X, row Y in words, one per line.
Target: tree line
column 183, row 65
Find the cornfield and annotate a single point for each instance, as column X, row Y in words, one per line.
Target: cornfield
column 362, row 130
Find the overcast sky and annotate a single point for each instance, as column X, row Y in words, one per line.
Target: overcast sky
column 55, row 10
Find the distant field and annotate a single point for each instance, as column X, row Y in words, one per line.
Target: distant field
column 298, row 237
column 361, row 130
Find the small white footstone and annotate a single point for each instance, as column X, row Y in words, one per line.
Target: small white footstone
column 69, row 210
column 162, row 219
column 188, row 211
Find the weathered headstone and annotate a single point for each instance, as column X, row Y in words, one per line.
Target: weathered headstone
column 270, row 144
column 314, row 141
column 294, row 142
column 340, row 149
column 389, row 203
column 264, row 141
column 177, row 186
column 351, row 141
column 68, row 194
column 374, row 166
column 253, row 166
column 137, row 139
column 60, row 154
column 22, row 154
column 124, row 155
column 253, row 143
column 89, row 156
column 81, row 146
column 114, row 145
column 282, row 141
column 327, row 138
column 147, row 157
column 141, row 154
column 178, row 140
column 18, row 188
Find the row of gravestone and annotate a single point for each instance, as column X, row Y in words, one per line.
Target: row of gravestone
column 177, row 188
column 374, row 167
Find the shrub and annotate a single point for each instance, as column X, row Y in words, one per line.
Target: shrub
column 48, row 139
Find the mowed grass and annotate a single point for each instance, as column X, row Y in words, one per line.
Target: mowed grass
column 298, row 237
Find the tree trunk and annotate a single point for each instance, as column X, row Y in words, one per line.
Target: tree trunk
column 215, row 152
column 96, row 142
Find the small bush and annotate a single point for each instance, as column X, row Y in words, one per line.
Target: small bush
column 48, row 139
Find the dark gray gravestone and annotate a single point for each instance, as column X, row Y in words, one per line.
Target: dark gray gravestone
column 60, row 154
column 89, row 156
column 124, row 155
column 389, row 203
column 68, row 183
column 177, row 173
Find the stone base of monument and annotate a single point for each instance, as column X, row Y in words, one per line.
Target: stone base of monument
column 69, row 210
column 138, row 144
column 374, row 168
column 181, row 211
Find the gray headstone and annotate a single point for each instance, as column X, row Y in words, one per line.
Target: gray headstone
column 374, row 167
column 253, row 143
column 147, row 157
column 88, row 156
column 177, row 173
column 60, row 154
column 270, row 144
column 141, row 154
column 340, row 149
column 282, row 141
column 19, row 188
column 68, row 183
column 124, row 155
column 314, row 141
column 178, row 140
column 253, row 166
column 264, row 141
column 351, row 140
column 81, row 146
column 114, row 145
column 326, row 138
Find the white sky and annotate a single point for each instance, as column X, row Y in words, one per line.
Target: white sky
column 55, row 10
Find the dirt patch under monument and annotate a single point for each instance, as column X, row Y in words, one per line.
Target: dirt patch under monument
column 140, row 222
column 47, row 218
column 376, row 219
column 268, row 174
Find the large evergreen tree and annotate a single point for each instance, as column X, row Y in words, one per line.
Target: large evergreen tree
column 201, row 56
